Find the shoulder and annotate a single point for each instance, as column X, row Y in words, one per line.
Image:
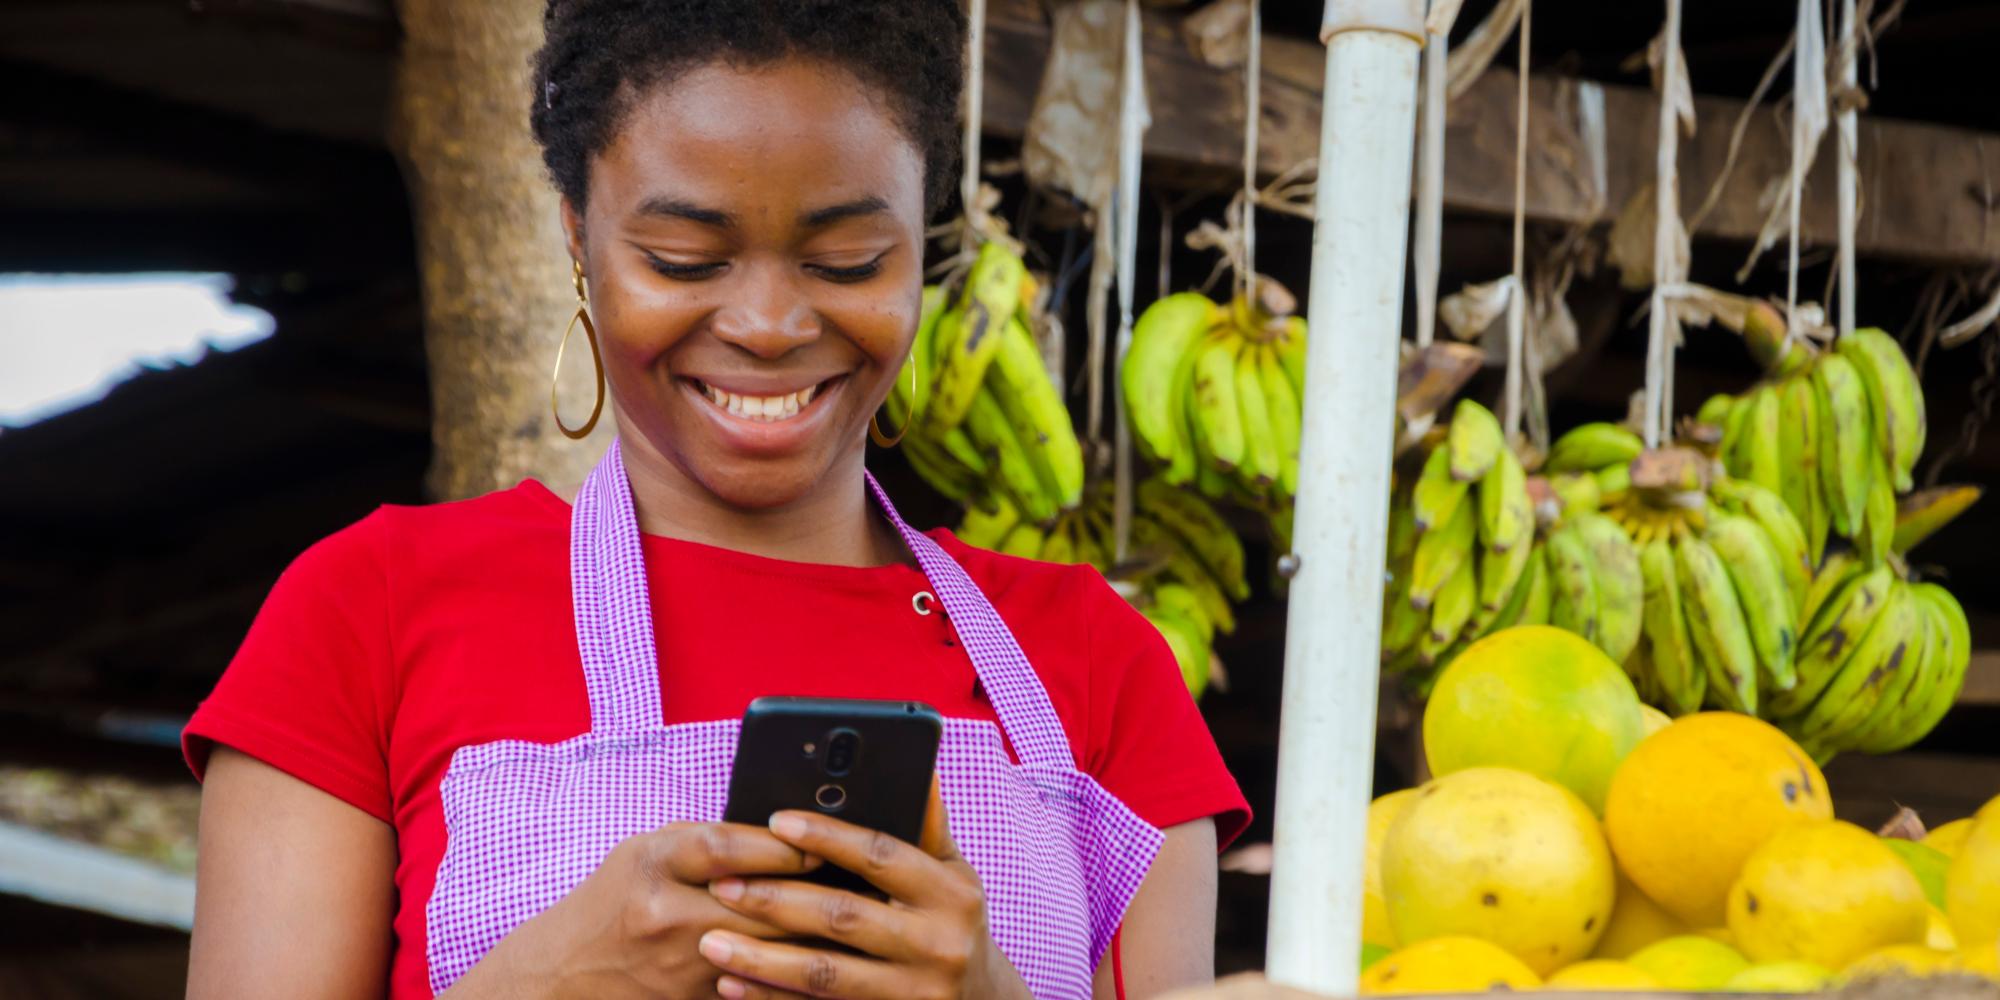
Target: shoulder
column 403, row 534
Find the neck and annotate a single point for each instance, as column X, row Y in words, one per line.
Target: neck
column 831, row 524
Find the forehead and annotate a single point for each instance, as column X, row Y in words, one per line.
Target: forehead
column 791, row 131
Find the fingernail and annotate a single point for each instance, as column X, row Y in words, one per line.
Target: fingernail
column 716, row 948
column 789, row 826
column 729, row 988
column 727, row 889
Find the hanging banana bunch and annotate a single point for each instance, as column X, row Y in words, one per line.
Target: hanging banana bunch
column 1187, row 562
column 990, row 426
column 1464, row 559
column 1836, row 433
column 1213, row 393
column 1881, row 657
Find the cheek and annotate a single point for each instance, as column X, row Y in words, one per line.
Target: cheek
column 883, row 328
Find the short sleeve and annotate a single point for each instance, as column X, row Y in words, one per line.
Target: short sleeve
column 1148, row 743
column 309, row 692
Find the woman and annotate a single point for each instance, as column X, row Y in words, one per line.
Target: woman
column 479, row 749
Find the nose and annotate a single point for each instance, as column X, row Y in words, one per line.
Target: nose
column 767, row 315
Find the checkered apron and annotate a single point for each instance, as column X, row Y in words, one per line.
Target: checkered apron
column 1059, row 857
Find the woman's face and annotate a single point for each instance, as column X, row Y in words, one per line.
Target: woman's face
column 754, row 248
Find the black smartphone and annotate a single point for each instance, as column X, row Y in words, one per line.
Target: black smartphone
column 865, row 762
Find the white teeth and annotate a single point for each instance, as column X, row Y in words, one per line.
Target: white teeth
column 761, row 408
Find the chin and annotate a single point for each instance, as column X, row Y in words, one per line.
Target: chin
column 759, row 485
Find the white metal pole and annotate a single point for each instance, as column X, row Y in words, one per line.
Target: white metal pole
column 1133, row 118
column 1430, row 185
column 1849, row 151
column 1332, row 632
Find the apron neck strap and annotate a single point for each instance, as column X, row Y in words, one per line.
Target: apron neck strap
column 614, row 621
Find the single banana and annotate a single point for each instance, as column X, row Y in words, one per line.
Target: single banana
column 1456, row 601
column 1152, row 374
column 1761, row 590
column 1878, row 521
column 1804, row 492
column 1847, row 441
column 1041, row 421
column 1286, row 416
column 1903, row 694
column 1060, row 545
column 907, row 394
column 989, row 428
column 1717, row 625
column 987, row 530
column 1181, row 566
column 1260, row 446
column 1291, row 344
column 1850, row 611
column 1402, row 526
column 1836, row 572
column 1898, row 401
column 1794, row 472
column 1865, row 672
column 1947, row 676
column 1402, row 623
column 1781, row 529
column 1440, row 553
column 1674, row 668
column 1619, row 585
column 1023, row 540
column 959, row 448
column 1218, row 418
column 1591, row 447
column 1438, row 496
column 1183, row 638
column 1573, row 590
column 1179, row 599
column 992, row 296
column 1532, row 596
column 1475, row 441
column 1576, row 491
column 1506, row 512
column 1613, row 483
column 1758, row 446
column 939, row 470
column 1202, row 529
column 1920, row 514
column 1715, row 409
column 1500, row 571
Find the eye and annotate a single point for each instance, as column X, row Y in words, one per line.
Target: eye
column 684, row 272
column 848, row 275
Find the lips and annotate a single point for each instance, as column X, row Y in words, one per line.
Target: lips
column 762, row 408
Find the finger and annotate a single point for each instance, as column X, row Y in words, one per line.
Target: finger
column 936, row 840
column 732, row 988
column 816, row 911
column 699, row 853
column 896, row 867
column 810, row 971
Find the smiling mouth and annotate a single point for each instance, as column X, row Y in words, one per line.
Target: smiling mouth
column 763, row 409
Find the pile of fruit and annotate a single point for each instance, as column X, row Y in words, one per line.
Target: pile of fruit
column 984, row 421
column 1572, row 839
column 1213, row 393
column 1186, row 563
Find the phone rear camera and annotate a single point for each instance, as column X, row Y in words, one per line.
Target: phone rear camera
column 830, row 797
column 842, row 746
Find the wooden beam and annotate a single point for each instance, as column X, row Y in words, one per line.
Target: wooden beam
column 1923, row 186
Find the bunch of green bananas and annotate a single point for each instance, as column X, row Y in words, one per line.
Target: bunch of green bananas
column 1213, row 394
column 1881, row 661
column 989, row 423
column 1186, row 562
column 1724, row 568
column 1463, row 555
column 1835, row 433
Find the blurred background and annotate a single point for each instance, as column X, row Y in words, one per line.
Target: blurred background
column 266, row 264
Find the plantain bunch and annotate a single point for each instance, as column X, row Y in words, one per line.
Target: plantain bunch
column 1186, row 565
column 1213, row 392
column 1463, row 553
column 989, row 425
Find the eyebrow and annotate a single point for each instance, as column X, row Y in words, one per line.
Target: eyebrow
column 675, row 208
column 821, row 218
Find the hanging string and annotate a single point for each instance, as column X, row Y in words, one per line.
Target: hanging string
column 1430, row 176
column 1849, row 163
column 1253, row 113
column 1132, row 122
column 975, row 107
column 1808, row 122
column 1662, row 324
column 1517, row 297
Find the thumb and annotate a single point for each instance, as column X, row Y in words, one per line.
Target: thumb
column 936, row 840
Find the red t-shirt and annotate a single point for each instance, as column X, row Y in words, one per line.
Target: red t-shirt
column 419, row 630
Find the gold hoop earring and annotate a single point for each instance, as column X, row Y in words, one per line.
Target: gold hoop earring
column 596, row 361
column 875, row 419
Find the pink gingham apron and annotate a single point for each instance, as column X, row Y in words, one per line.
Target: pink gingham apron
column 1059, row 857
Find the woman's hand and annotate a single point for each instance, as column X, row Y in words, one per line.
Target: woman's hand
column 928, row 942
column 630, row 929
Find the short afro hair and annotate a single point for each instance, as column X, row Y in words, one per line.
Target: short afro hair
column 598, row 55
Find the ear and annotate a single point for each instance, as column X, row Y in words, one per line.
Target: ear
column 572, row 223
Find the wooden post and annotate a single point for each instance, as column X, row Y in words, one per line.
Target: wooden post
column 496, row 277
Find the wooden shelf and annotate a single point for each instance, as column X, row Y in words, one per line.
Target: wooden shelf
column 1982, row 680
